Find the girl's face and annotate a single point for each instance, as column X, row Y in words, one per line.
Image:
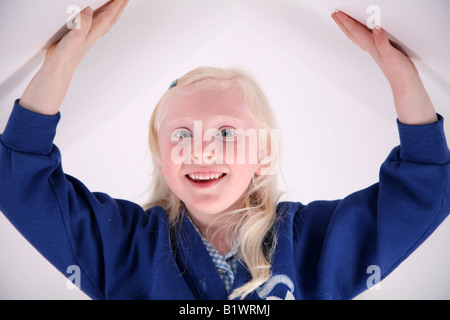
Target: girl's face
column 204, row 161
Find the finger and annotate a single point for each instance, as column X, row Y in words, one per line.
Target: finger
column 355, row 28
column 341, row 25
column 118, row 14
column 102, row 8
column 381, row 40
column 85, row 21
column 348, row 33
column 80, row 31
column 110, row 9
column 103, row 17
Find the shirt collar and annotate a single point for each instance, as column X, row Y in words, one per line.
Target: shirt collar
column 209, row 247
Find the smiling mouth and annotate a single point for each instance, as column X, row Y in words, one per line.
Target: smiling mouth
column 205, row 177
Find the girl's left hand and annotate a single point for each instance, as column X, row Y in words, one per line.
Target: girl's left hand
column 412, row 103
column 396, row 66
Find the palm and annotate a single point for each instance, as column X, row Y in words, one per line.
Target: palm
column 73, row 46
column 392, row 61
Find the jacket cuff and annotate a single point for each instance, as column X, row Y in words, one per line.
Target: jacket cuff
column 424, row 143
column 30, row 132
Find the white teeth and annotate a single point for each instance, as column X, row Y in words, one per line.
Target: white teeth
column 205, row 176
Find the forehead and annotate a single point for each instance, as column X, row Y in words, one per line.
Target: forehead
column 206, row 104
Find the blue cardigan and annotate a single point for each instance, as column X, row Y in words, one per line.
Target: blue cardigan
column 325, row 250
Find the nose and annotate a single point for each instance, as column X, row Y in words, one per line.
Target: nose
column 204, row 153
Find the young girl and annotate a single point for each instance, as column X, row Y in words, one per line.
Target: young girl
column 215, row 228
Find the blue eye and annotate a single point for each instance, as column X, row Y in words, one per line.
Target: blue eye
column 181, row 134
column 227, row 133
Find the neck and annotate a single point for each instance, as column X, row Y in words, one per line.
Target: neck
column 215, row 227
column 213, row 231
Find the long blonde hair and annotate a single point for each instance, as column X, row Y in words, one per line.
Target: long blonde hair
column 252, row 224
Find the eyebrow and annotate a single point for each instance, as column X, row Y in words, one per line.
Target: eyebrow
column 217, row 119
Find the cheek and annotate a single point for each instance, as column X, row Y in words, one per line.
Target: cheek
column 242, row 176
column 169, row 170
column 171, row 174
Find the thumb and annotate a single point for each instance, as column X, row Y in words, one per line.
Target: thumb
column 381, row 40
column 85, row 20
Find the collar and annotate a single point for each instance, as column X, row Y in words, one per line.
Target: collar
column 226, row 265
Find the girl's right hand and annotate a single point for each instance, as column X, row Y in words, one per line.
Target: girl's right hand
column 70, row 49
column 46, row 91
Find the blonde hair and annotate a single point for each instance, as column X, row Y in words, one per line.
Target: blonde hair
column 252, row 224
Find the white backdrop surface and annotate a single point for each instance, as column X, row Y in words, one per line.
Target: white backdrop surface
column 334, row 107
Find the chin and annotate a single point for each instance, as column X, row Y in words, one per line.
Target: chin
column 208, row 207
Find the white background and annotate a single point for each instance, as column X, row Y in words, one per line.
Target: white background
column 334, row 107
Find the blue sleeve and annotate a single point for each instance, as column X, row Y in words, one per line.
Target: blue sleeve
column 343, row 242
column 58, row 215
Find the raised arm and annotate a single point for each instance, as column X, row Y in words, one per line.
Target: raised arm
column 412, row 103
column 377, row 228
column 48, row 88
column 66, row 222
